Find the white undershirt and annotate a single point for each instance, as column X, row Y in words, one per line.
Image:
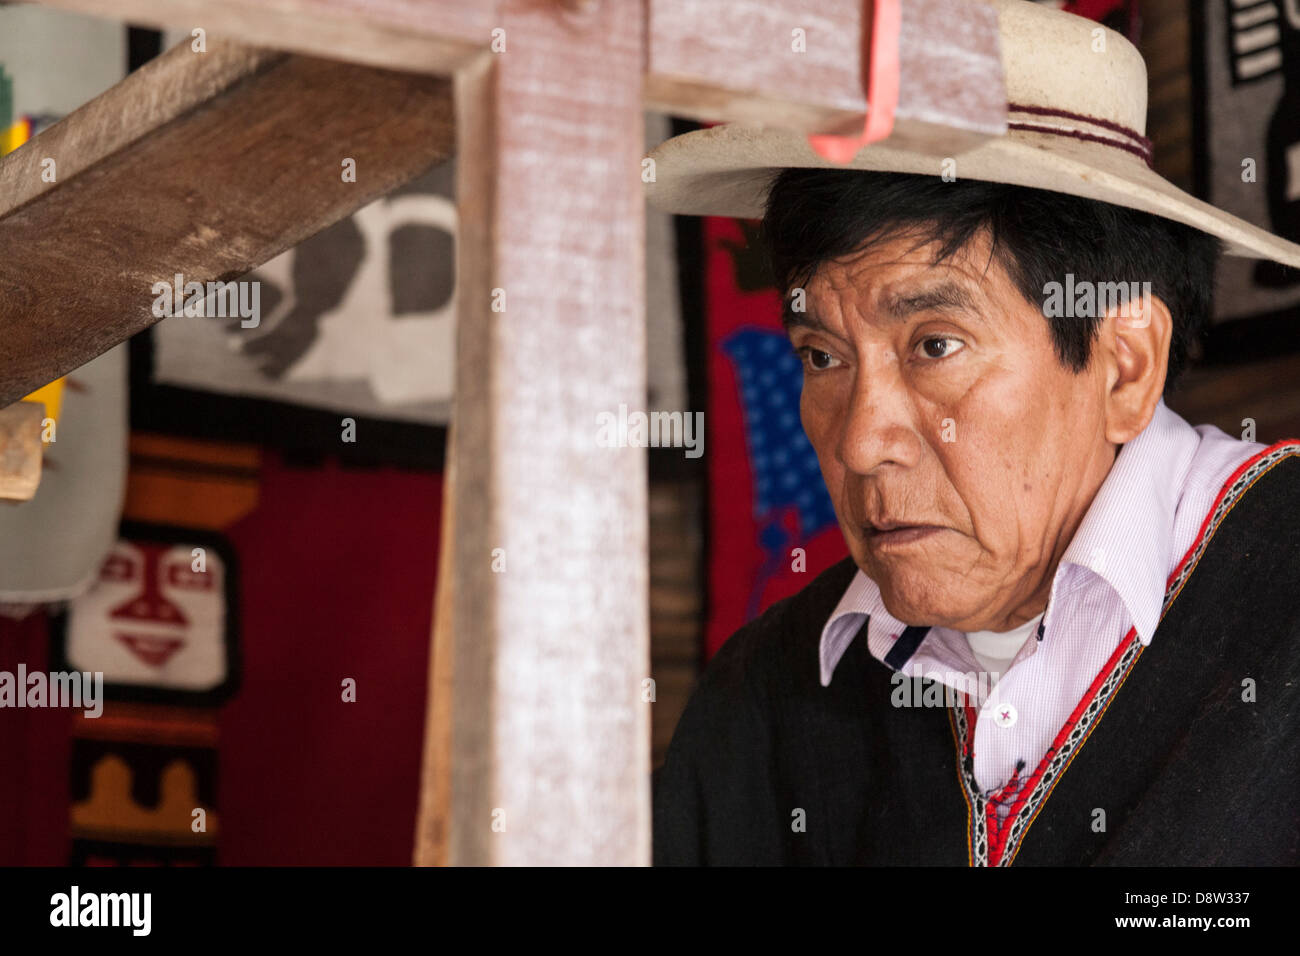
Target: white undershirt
column 995, row 651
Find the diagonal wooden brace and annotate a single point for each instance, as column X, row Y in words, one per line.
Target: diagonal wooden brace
column 200, row 164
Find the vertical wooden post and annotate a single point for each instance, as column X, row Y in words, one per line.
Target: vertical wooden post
column 550, row 744
column 433, row 822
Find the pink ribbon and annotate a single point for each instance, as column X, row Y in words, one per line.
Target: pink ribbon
column 882, row 86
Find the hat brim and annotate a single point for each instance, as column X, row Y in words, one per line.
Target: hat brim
column 726, row 171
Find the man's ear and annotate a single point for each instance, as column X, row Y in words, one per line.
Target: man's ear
column 1134, row 343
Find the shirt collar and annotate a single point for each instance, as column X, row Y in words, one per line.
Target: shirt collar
column 860, row 600
column 1125, row 539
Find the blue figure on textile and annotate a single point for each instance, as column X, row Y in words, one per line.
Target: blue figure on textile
column 782, row 460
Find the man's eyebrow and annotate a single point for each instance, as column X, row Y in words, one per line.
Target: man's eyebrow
column 791, row 320
column 944, row 297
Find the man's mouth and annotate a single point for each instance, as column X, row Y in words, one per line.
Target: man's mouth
column 893, row 533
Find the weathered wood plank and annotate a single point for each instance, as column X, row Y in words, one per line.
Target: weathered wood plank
column 201, row 164
column 428, row 36
column 551, row 737
column 740, row 61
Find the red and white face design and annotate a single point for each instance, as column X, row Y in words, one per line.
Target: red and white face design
column 153, row 618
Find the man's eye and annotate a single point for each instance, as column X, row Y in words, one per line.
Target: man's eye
column 815, row 359
column 940, row 346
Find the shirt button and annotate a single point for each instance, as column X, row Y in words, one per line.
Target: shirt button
column 1004, row 715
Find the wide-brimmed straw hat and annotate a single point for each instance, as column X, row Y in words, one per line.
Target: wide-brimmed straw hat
column 1076, row 124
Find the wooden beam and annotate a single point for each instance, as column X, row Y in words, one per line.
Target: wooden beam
column 713, row 60
column 428, row 36
column 741, row 61
column 551, row 735
column 201, row 164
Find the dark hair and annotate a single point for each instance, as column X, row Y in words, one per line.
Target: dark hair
column 815, row 215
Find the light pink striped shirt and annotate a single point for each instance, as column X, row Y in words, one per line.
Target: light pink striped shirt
column 1112, row 576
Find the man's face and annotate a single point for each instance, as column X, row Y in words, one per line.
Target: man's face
column 958, row 451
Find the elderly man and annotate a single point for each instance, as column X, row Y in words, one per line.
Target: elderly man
column 1067, row 631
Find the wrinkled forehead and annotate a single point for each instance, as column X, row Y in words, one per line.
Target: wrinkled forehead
column 910, row 251
column 896, row 278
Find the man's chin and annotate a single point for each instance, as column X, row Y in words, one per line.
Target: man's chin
column 920, row 604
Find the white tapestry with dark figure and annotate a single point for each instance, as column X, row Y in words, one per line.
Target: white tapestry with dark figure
column 359, row 318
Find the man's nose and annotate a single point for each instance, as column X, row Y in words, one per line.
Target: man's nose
column 878, row 427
